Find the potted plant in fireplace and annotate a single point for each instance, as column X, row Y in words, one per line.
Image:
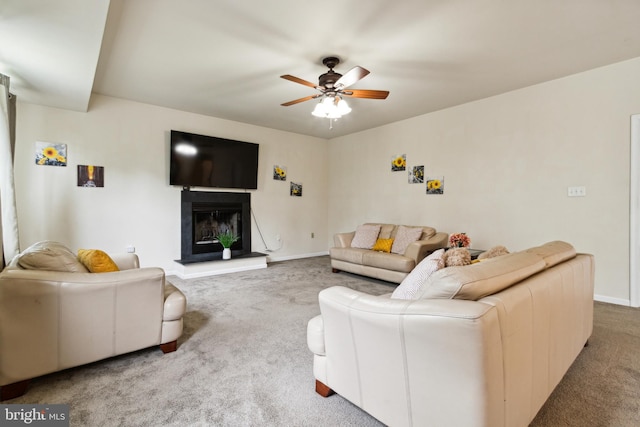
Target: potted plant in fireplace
column 227, row 239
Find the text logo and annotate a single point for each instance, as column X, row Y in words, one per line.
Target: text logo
column 34, row 415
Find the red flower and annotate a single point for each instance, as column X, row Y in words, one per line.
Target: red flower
column 459, row 240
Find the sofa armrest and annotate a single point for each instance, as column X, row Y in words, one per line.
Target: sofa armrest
column 420, row 249
column 343, row 240
column 377, row 348
column 315, row 335
column 125, row 261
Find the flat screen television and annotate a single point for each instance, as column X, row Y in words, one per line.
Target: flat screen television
column 208, row 161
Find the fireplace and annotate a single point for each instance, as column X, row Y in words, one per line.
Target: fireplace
column 206, row 214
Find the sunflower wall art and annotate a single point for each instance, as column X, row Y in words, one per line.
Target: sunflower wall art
column 50, row 154
column 399, row 163
column 280, row 173
column 416, row 175
column 295, row 189
column 435, row 185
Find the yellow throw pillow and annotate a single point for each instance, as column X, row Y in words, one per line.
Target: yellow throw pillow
column 383, row 245
column 97, row 261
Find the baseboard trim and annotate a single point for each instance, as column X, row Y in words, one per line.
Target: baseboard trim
column 611, row 300
column 272, row 258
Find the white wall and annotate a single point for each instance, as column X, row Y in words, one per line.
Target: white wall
column 137, row 205
column 507, row 162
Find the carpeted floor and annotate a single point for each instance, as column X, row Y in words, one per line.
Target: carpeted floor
column 243, row 361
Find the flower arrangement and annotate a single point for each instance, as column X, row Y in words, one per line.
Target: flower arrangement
column 227, row 239
column 459, row 240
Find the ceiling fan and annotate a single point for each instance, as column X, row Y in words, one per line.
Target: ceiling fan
column 334, row 85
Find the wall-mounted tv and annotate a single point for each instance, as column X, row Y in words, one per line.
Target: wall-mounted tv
column 208, row 161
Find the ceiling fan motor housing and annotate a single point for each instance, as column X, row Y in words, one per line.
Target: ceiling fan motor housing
column 328, row 79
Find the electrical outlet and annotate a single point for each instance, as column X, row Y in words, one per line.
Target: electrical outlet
column 131, row 249
column 580, row 191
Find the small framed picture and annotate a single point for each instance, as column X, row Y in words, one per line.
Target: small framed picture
column 90, row 176
column 295, row 189
column 416, row 175
column 50, row 154
column 435, row 185
column 398, row 163
column 280, row 173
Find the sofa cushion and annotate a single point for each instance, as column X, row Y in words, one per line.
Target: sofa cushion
column 52, row 256
column 389, row 231
column 366, row 236
column 96, row 261
column 383, row 245
column 419, row 275
column 404, row 237
column 554, row 252
column 476, row 281
column 427, row 232
column 393, row 262
column 386, row 231
column 352, row 255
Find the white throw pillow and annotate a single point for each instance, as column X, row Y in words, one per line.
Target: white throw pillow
column 419, row 275
column 404, row 237
column 366, row 236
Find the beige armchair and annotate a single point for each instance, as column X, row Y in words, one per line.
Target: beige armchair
column 63, row 316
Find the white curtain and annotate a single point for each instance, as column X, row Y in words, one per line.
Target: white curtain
column 9, row 243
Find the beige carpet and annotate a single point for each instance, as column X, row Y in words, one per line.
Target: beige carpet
column 243, row 361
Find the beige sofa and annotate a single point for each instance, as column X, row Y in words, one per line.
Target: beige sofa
column 480, row 345
column 53, row 320
column 392, row 267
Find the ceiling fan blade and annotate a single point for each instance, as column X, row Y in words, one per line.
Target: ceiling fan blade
column 352, row 76
column 306, row 98
column 365, row 93
column 299, row 80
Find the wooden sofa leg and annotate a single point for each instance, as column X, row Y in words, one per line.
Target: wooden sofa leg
column 323, row 390
column 11, row 391
column 169, row 347
column 335, row 270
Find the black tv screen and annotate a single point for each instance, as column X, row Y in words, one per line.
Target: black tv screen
column 208, row 161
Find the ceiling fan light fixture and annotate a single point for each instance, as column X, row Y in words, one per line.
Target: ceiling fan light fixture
column 343, row 107
column 331, row 107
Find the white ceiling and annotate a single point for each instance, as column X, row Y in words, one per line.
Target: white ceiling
column 223, row 58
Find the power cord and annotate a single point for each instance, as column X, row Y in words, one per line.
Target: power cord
column 266, row 248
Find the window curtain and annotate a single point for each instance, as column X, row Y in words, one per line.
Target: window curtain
column 9, row 243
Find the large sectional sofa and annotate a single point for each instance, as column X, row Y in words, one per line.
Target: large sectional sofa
column 392, row 265
column 479, row 345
